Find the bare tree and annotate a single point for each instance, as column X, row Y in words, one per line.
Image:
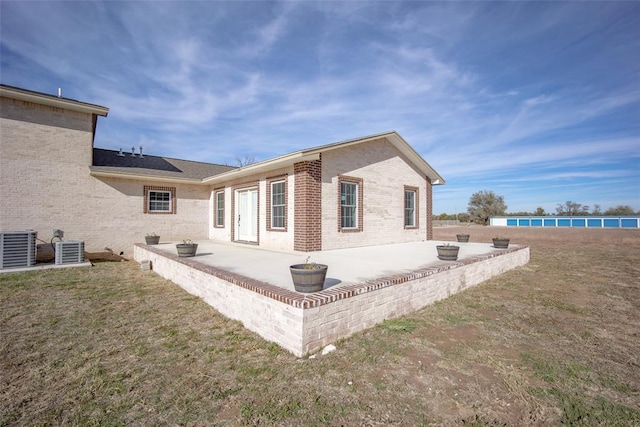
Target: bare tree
column 245, row 161
column 572, row 208
column 485, row 204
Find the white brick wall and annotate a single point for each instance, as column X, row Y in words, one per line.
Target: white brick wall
column 343, row 318
column 268, row 239
column 45, row 154
column 45, row 183
column 384, row 173
column 305, row 330
column 273, row 320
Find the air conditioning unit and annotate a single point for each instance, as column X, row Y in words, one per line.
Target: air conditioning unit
column 17, row 249
column 69, row 252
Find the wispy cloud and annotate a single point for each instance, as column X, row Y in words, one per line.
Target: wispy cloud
column 517, row 96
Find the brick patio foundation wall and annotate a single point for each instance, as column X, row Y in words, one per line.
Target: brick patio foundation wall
column 261, row 307
column 304, row 323
column 373, row 302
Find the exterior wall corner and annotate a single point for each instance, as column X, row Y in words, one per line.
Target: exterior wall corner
column 308, row 206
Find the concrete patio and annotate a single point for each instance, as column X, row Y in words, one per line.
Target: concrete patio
column 364, row 286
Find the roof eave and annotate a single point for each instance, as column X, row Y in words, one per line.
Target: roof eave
column 399, row 142
column 143, row 177
column 314, row 154
column 51, row 101
column 289, row 160
column 417, row 159
column 267, row 165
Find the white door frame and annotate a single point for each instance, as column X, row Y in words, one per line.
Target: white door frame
column 246, row 215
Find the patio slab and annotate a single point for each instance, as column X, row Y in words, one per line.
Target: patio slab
column 346, row 266
column 364, row 286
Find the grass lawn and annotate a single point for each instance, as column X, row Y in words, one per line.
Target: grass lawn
column 554, row 342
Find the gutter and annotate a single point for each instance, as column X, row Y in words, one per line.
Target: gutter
column 141, row 177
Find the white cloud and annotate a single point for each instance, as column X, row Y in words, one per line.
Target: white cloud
column 538, row 91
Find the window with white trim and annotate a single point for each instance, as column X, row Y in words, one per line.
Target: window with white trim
column 159, row 201
column 348, row 205
column 219, row 215
column 409, row 208
column 278, row 204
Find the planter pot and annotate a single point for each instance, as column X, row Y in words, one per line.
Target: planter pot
column 462, row 238
column 501, row 243
column 308, row 280
column 186, row 249
column 448, row 253
column 152, row 240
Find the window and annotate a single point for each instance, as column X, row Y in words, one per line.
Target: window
column 219, row 209
column 410, row 207
column 159, row 200
column 350, row 201
column 277, row 204
column 348, row 205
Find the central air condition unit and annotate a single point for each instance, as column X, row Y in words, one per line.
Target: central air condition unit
column 69, row 252
column 17, row 249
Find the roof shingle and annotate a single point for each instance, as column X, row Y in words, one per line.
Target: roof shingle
column 109, row 161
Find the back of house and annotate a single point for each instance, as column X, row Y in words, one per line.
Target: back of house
column 360, row 192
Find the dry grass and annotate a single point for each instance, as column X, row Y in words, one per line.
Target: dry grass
column 556, row 341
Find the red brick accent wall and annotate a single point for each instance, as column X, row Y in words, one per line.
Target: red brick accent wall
column 429, row 209
column 307, row 202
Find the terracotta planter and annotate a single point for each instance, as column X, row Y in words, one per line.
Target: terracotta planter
column 448, row 253
column 308, row 279
column 186, row 249
column 152, row 240
column 501, row 243
column 462, row 238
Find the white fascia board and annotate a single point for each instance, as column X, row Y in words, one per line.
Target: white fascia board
column 416, row 158
column 140, row 177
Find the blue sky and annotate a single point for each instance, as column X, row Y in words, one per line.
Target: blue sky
column 536, row 101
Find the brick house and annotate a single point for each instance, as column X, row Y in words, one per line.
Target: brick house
column 365, row 191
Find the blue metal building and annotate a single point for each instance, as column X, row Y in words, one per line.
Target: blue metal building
column 626, row 221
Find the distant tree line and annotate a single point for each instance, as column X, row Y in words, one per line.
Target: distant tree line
column 485, row 204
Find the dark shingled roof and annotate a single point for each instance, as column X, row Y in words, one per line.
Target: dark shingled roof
column 109, row 161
